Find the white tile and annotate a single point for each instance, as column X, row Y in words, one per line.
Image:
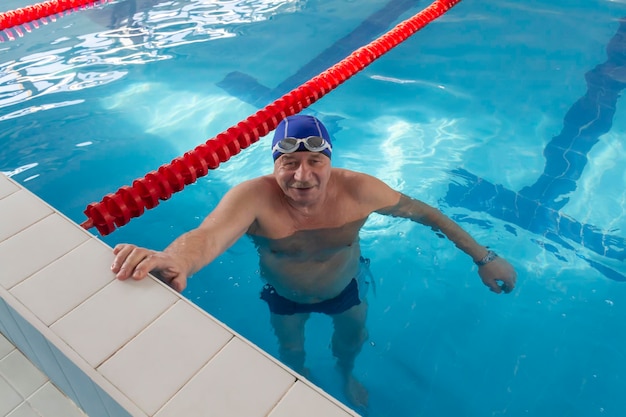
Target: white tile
column 22, row 374
column 30, row 250
column 64, row 284
column 238, row 381
column 7, row 187
column 6, row 347
column 151, row 368
column 9, row 398
column 304, row 401
column 20, row 210
column 111, row 317
column 50, row 402
column 24, row 410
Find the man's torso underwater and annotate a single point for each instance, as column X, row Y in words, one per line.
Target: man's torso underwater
column 310, row 265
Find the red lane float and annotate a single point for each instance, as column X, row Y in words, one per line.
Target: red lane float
column 118, row 208
column 42, row 10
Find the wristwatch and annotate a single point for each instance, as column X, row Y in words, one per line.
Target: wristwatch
column 490, row 256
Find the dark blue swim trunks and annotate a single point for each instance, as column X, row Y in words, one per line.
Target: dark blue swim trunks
column 278, row 304
column 348, row 298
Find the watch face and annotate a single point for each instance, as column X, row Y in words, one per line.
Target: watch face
column 491, row 255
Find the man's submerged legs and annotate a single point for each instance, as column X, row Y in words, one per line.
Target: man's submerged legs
column 348, row 338
column 289, row 330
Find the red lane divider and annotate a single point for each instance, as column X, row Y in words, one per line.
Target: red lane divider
column 117, row 209
column 38, row 11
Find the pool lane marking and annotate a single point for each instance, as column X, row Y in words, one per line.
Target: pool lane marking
column 536, row 207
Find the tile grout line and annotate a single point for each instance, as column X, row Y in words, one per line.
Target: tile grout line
column 290, row 389
column 5, row 378
column 52, row 213
column 10, row 193
column 198, row 371
column 70, row 353
column 68, row 253
column 140, row 332
column 10, row 351
column 15, row 387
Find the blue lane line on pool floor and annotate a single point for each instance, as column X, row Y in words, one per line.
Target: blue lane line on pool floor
column 248, row 89
column 535, row 207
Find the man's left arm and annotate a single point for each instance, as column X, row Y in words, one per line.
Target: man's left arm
column 495, row 272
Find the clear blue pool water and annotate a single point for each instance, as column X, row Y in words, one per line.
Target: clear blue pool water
column 458, row 116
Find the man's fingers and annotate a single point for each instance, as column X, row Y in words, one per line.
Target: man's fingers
column 141, row 262
column 132, row 261
column 177, row 284
column 119, row 247
column 508, row 285
column 493, row 286
column 122, row 252
column 499, row 276
column 500, row 285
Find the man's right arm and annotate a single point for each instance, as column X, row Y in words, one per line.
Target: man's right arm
column 193, row 250
column 498, row 274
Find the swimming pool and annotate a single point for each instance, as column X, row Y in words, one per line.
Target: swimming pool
column 479, row 93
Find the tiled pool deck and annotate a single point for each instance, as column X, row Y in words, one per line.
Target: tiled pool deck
column 72, row 336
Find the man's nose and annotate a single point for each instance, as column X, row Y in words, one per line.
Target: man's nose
column 302, row 173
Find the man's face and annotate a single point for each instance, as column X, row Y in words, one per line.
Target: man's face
column 303, row 176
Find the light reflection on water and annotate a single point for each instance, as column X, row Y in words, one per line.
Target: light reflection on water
column 129, row 36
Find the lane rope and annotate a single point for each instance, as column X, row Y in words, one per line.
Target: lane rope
column 117, row 209
column 28, row 17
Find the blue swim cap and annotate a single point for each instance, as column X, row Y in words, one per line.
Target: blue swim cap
column 300, row 126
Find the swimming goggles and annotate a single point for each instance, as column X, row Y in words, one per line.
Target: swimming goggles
column 312, row 143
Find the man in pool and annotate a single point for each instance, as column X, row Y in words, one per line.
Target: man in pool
column 305, row 220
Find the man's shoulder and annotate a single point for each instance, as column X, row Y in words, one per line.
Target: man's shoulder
column 262, row 181
column 344, row 173
column 349, row 177
column 365, row 188
column 254, row 194
column 257, row 188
